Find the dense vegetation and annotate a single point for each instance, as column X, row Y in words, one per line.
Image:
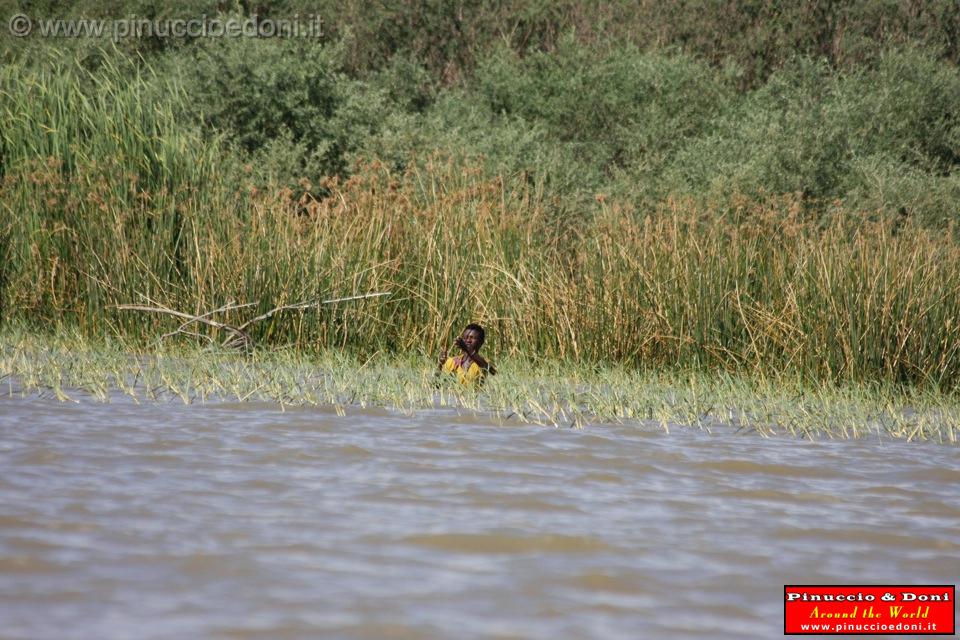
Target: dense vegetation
column 757, row 186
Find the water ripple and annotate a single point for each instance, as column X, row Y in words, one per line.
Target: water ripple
column 242, row 520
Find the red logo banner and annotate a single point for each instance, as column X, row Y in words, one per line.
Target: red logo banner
column 869, row 610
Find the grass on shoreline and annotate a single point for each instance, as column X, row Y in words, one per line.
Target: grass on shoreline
column 547, row 393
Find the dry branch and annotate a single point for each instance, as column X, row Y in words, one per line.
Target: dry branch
column 238, row 337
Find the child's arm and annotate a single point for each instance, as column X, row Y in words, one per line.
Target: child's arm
column 476, row 357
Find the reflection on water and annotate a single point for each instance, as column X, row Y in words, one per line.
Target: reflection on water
column 243, row 521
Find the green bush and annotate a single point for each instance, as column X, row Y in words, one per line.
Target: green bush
column 286, row 104
column 777, row 139
column 887, row 184
column 616, row 107
column 883, row 137
column 571, row 122
column 907, row 107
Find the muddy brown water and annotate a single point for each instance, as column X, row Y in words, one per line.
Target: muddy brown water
column 229, row 520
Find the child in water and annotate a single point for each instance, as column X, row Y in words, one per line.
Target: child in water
column 469, row 366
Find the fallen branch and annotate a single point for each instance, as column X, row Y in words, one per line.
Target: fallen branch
column 182, row 328
column 238, row 336
column 300, row 306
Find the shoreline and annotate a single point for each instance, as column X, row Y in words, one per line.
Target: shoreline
column 550, row 393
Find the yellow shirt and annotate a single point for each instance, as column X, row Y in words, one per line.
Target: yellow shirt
column 471, row 375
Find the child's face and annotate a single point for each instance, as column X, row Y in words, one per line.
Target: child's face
column 472, row 339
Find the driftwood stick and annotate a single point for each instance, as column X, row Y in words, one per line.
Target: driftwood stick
column 238, row 336
column 308, row 305
column 178, row 314
column 230, row 306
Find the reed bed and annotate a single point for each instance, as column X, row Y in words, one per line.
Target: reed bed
column 108, row 201
column 74, row 369
column 752, row 287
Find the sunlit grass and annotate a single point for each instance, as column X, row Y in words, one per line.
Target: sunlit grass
column 546, row 393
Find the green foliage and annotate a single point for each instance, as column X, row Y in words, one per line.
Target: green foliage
column 121, row 181
column 615, row 107
column 285, row 102
column 849, row 100
column 755, row 37
column 879, row 137
column 571, row 122
column 408, row 85
column 907, row 108
column 60, row 111
column 778, row 139
column 6, row 249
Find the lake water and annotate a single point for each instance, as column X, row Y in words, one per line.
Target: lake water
column 244, row 521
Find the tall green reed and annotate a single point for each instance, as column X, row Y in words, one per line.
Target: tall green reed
column 99, row 182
